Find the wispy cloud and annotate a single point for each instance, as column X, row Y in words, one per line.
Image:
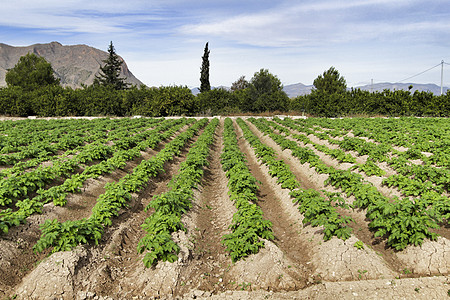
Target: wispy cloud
column 321, row 23
column 295, row 39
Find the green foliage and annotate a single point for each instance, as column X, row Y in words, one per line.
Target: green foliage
column 204, row 71
column 359, row 102
column 217, row 101
column 98, row 100
column 67, row 235
column 160, row 247
column 64, row 236
column 404, row 222
column 110, row 72
column 370, row 168
column 359, row 245
column 316, row 209
column 31, row 72
column 170, row 206
column 401, row 222
column 240, row 84
column 248, row 226
column 330, row 82
column 265, row 93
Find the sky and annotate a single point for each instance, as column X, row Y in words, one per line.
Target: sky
column 162, row 41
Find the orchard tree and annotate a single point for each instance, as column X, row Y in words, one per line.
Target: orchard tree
column 239, row 84
column 204, row 72
column 265, row 93
column 329, row 98
column 110, row 73
column 31, row 72
column 330, row 82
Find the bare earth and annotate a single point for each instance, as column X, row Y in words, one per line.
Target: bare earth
column 298, row 264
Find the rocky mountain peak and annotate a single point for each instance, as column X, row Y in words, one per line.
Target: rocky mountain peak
column 73, row 64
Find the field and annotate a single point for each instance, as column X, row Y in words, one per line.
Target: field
column 225, row 208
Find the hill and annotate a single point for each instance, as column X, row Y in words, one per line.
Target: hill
column 379, row 87
column 73, row 64
column 297, row 89
column 294, row 90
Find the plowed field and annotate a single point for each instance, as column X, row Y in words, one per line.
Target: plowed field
column 304, row 259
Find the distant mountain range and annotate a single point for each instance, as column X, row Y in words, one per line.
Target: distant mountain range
column 294, row 90
column 429, row 87
column 73, row 65
column 297, row 89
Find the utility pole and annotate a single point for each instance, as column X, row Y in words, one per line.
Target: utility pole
column 371, row 85
column 442, row 77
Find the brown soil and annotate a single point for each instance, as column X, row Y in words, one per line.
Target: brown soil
column 207, row 222
column 285, row 228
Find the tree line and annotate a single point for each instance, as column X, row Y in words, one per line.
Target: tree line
column 331, row 98
column 32, row 89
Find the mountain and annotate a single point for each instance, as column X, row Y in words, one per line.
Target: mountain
column 379, row 87
column 74, row 65
column 297, row 89
column 196, row 90
column 292, row 90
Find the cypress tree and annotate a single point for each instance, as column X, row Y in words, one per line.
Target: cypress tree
column 204, row 72
column 110, row 73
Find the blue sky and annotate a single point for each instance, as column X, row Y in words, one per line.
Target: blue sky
column 163, row 41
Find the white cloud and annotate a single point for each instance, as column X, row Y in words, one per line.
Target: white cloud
column 162, row 41
column 78, row 16
column 321, row 23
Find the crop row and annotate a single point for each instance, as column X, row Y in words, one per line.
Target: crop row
column 64, row 236
column 77, row 136
column 171, row 205
column 21, row 184
column 418, row 135
column 401, row 221
column 58, row 194
column 49, row 142
column 412, row 180
column 425, row 134
column 316, row 209
column 248, row 226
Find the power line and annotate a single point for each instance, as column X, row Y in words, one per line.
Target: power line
column 421, row 72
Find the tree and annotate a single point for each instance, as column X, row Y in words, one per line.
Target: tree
column 331, row 82
column 31, row 72
column 110, row 72
column 265, row 93
column 216, row 101
column 204, row 72
column 239, row 84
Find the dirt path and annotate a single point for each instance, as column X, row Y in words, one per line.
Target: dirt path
column 207, row 222
column 286, row 229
